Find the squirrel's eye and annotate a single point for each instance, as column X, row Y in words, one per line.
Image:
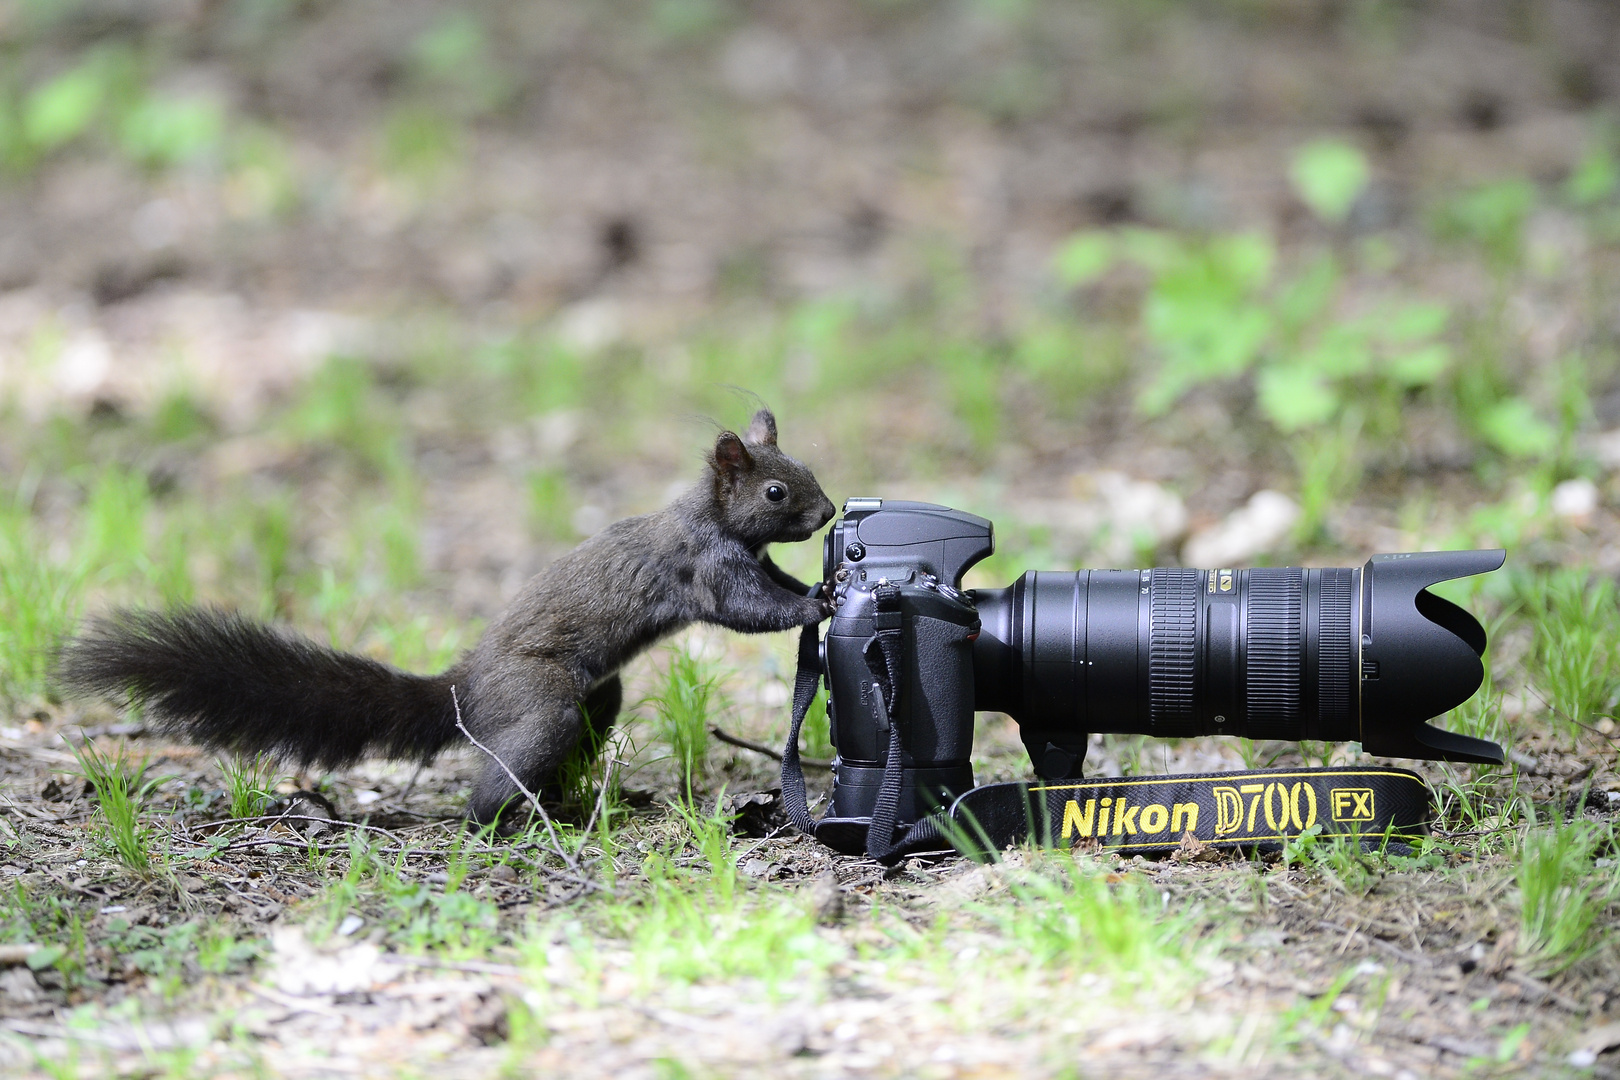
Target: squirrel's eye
column 776, row 493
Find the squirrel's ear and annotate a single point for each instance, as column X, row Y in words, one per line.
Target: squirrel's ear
column 730, row 455
column 762, row 429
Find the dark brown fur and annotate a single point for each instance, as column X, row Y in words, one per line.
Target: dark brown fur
column 223, row 680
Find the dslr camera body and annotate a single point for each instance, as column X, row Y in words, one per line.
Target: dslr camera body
column 1361, row 654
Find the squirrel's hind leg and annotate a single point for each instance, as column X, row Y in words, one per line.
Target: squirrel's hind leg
column 545, row 730
column 532, row 719
column 530, row 749
column 602, row 707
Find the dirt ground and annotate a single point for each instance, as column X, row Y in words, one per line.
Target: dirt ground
column 1397, row 971
column 615, row 174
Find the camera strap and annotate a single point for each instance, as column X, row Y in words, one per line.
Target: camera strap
column 1261, row 808
column 795, row 802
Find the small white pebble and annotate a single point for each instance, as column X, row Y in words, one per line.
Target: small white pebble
column 349, row 925
column 367, row 797
column 1582, row 1059
column 1575, row 500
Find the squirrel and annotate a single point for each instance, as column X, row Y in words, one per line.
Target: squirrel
column 546, row 666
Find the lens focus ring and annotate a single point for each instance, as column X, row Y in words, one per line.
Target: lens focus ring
column 1173, row 604
column 1274, row 652
column 1334, row 661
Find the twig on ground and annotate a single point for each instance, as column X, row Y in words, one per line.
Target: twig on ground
column 1562, row 715
column 12, row 955
column 41, row 752
column 534, row 800
column 315, row 1005
column 761, row 748
column 299, row 843
column 110, row 1040
column 273, row 818
column 36, row 813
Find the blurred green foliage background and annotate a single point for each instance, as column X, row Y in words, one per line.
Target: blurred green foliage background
column 356, row 314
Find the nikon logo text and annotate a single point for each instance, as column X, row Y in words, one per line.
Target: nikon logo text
column 1117, row 817
column 1352, row 804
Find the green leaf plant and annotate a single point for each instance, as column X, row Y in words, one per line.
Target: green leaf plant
column 1333, row 373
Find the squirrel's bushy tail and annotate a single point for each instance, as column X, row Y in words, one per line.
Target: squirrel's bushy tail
column 217, row 678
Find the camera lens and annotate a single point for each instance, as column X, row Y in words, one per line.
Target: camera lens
column 1173, row 652
column 1267, row 653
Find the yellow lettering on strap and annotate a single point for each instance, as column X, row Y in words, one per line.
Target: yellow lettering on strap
column 1254, row 804
column 1076, row 823
column 1228, row 810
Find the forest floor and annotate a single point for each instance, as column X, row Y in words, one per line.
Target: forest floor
column 354, row 316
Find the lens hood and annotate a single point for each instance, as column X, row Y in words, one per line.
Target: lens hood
column 1420, row 655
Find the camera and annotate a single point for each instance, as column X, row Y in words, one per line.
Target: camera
column 1364, row 654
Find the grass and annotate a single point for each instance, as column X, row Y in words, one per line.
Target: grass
column 121, row 791
column 172, row 954
column 689, row 700
column 694, row 921
column 1574, row 664
column 39, row 600
column 249, row 784
column 590, row 775
column 1561, row 899
column 1071, row 916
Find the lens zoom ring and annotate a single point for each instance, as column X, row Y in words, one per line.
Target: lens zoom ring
column 1274, row 652
column 1334, row 650
column 1173, row 600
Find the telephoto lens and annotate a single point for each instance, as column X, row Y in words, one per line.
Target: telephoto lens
column 1338, row 654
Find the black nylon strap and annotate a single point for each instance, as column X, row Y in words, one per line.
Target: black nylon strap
column 795, row 802
column 883, row 658
column 1150, row 814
